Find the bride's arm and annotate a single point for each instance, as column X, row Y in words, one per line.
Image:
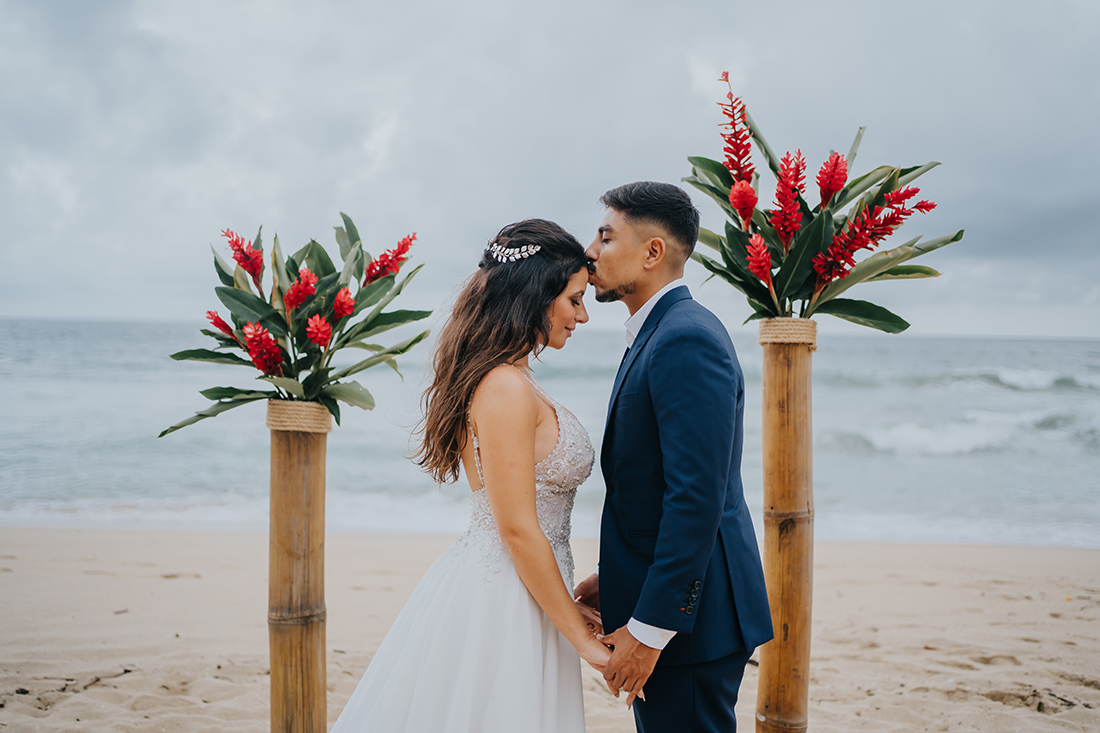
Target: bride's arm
column 506, row 414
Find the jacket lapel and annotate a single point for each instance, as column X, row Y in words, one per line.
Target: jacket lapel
column 673, row 296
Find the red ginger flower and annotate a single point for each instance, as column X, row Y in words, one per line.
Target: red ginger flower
column 760, row 259
column 738, row 137
column 832, row 177
column 866, row 231
column 318, row 330
column 389, row 262
column 743, row 200
column 250, row 260
column 263, row 349
column 217, row 322
column 787, row 219
column 344, row 304
column 302, row 288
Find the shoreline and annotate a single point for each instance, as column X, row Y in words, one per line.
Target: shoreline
column 166, row 630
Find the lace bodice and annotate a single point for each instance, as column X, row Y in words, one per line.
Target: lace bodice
column 557, row 478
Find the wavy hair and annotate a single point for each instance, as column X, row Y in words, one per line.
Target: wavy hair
column 500, row 315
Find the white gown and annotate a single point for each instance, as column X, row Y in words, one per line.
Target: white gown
column 472, row 651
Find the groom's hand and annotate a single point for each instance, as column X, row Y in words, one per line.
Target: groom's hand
column 631, row 662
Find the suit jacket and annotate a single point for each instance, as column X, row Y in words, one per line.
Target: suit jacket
column 677, row 545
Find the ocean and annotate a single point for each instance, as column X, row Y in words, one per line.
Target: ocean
column 923, row 440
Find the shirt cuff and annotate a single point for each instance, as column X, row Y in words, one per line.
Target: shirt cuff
column 651, row 636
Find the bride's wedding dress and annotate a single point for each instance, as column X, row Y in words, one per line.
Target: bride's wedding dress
column 471, row 650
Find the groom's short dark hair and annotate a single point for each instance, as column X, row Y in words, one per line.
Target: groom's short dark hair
column 659, row 203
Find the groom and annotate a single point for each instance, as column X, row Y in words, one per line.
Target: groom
column 680, row 586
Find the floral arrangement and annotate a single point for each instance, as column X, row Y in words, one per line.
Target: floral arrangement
column 310, row 313
column 793, row 255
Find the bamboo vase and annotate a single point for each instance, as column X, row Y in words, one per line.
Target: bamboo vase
column 782, row 702
column 296, row 580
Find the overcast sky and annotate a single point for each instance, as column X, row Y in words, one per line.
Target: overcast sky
column 131, row 133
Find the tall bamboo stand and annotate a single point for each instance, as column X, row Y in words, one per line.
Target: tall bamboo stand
column 782, row 701
column 296, row 581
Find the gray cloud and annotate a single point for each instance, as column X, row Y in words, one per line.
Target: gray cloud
column 132, row 132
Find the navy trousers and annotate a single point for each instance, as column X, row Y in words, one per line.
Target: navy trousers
column 692, row 698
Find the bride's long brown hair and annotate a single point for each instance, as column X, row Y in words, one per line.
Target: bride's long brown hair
column 500, row 315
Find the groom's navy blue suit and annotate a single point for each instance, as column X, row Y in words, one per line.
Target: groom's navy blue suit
column 677, row 546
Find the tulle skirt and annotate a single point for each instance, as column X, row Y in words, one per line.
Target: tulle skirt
column 470, row 652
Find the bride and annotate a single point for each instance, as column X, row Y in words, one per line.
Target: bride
column 490, row 639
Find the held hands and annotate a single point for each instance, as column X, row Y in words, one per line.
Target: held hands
column 587, row 597
column 630, row 665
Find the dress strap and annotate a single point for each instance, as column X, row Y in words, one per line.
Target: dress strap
column 477, row 449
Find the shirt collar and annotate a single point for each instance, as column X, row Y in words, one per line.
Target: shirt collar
column 635, row 322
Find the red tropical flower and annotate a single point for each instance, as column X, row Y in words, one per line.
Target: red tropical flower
column 866, row 231
column 389, row 262
column 217, row 322
column 301, row 289
column 318, row 330
column 250, row 260
column 832, row 177
column 344, row 304
column 760, row 259
column 737, row 136
column 787, row 217
column 263, row 349
column 743, row 200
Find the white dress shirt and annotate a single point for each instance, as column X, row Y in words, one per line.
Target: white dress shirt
column 652, row 636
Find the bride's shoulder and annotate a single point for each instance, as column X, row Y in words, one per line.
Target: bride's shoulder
column 504, row 387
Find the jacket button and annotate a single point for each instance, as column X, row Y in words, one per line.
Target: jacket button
column 697, row 585
column 689, row 610
column 694, row 594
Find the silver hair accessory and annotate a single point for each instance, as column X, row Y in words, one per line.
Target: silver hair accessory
column 502, row 254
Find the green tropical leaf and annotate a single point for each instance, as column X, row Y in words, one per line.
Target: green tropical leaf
column 858, row 186
column 851, row 158
column 381, row 323
column 371, row 294
column 280, row 274
column 332, row 406
column 318, row 260
column 225, row 272
column 758, row 138
column 248, row 307
column 354, row 264
column 380, row 357
column 242, row 280
column 905, row 272
column 882, row 261
column 315, row 381
column 223, row 340
column 718, row 174
column 798, row 267
column 909, row 175
column 393, row 293
column 749, row 290
column 257, row 243
column 215, row 409
column 215, row 357
column 232, row 393
column 352, row 393
column 713, row 191
column 342, row 241
column 352, row 231
column 712, row 240
column 291, row 386
column 865, row 314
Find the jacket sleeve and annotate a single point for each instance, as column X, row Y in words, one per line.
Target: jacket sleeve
column 694, row 389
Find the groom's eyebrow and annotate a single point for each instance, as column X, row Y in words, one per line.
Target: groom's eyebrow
column 605, row 228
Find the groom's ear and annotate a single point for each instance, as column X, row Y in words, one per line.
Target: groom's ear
column 655, row 252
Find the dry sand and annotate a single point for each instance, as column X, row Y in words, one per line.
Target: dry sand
column 166, row 631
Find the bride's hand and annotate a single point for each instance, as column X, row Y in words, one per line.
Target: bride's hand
column 595, row 653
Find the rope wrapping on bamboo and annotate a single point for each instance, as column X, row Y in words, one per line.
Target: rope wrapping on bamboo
column 298, row 417
column 788, row 331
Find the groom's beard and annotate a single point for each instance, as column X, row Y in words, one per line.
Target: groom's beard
column 612, row 294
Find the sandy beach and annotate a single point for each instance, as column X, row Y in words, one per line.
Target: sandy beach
column 128, row 630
